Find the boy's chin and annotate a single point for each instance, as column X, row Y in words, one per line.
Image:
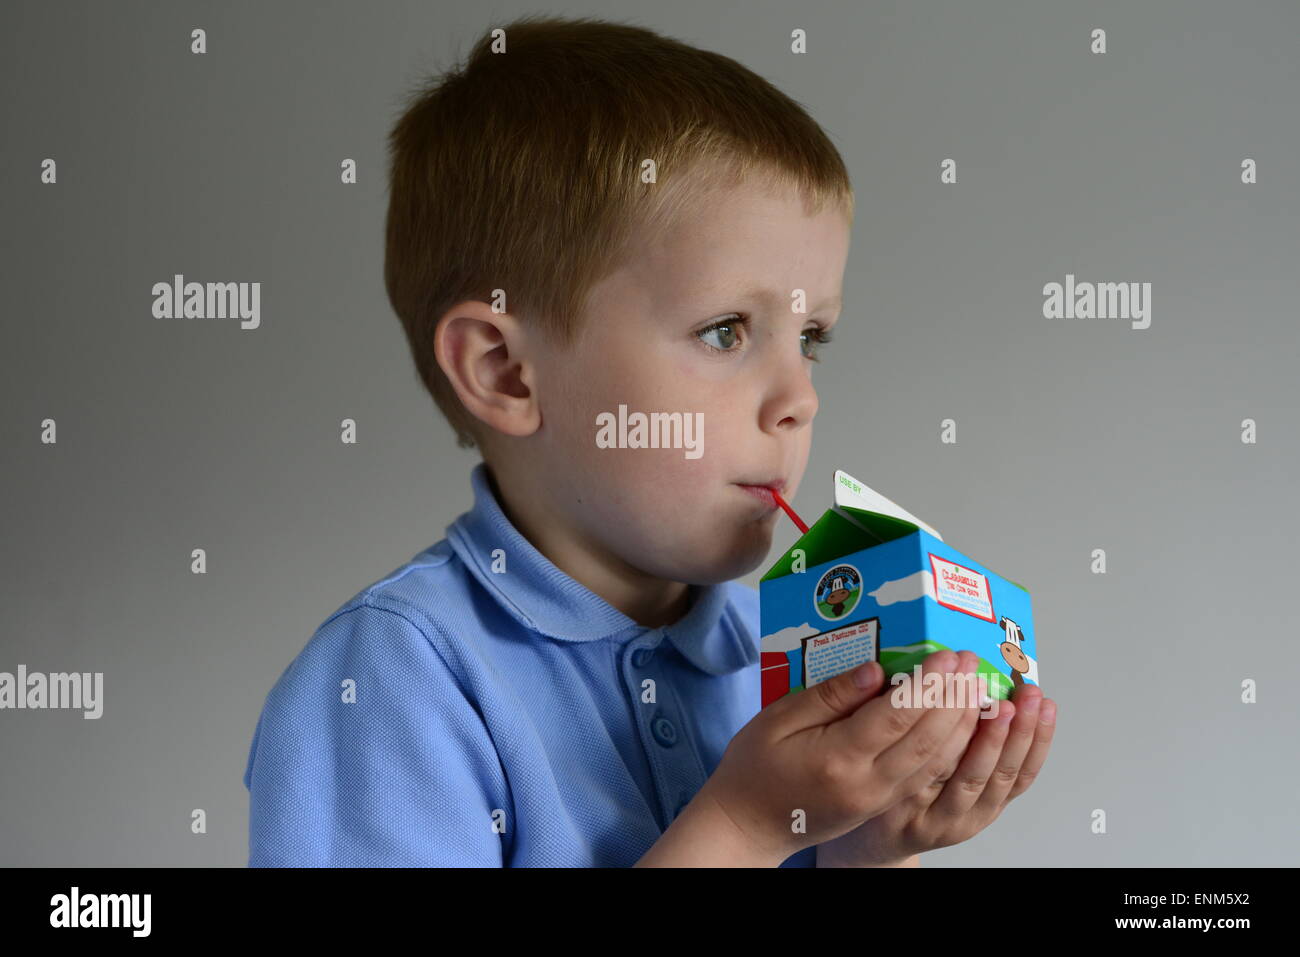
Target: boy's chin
column 747, row 548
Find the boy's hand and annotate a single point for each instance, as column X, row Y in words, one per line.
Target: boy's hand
column 956, row 801
column 818, row 763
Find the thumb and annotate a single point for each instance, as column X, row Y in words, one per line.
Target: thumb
column 834, row 698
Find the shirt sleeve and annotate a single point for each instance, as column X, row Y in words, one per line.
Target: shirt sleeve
column 369, row 754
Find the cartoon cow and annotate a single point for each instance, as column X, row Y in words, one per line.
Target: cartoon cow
column 837, row 596
column 1012, row 651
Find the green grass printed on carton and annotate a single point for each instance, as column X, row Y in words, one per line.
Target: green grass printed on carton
column 908, row 656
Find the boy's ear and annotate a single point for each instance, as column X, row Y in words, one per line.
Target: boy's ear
column 484, row 355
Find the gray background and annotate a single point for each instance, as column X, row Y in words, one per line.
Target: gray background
column 1071, row 435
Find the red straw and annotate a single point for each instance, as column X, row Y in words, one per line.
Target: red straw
column 789, row 511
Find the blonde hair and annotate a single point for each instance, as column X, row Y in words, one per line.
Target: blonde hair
column 522, row 170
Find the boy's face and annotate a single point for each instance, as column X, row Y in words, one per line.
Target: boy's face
column 644, row 346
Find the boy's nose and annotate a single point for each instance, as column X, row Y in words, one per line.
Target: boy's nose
column 793, row 402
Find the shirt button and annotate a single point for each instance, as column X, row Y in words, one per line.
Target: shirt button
column 664, row 732
column 641, row 657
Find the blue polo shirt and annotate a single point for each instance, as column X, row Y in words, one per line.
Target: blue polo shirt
column 479, row 707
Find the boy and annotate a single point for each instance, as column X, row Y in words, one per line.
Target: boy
column 586, row 222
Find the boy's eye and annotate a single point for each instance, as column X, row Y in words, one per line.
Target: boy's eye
column 812, row 340
column 722, row 336
column 725, row 334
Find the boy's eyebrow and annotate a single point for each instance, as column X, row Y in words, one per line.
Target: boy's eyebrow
column 757, row 293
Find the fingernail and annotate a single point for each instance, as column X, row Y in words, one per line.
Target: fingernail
column 863, row 675
column 1049, row 712
column 1031, row 706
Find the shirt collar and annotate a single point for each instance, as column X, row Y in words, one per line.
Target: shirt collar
column 547, row 600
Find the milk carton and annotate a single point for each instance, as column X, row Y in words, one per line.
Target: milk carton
column 870, row 582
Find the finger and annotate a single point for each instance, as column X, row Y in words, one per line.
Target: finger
column 972, row 775
column 1019, row 736
column 1038, row 750
column 930, row 779
column 826, row 701
column 925, row 741
column 877, row 724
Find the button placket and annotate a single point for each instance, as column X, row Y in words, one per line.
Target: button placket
column 673, row 767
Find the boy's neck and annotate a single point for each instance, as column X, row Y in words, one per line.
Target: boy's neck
column 650, row 602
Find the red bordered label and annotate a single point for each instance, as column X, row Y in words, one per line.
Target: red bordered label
column 961, row 589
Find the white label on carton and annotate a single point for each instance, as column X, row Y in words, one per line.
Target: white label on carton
column 849, row 491
column 961, row 588
column 836, row 651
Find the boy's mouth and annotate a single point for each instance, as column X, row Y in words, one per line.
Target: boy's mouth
column 763, row 490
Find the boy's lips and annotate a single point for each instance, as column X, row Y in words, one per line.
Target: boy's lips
column 763, row 490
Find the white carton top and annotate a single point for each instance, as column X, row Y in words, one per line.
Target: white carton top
column 849, row 491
